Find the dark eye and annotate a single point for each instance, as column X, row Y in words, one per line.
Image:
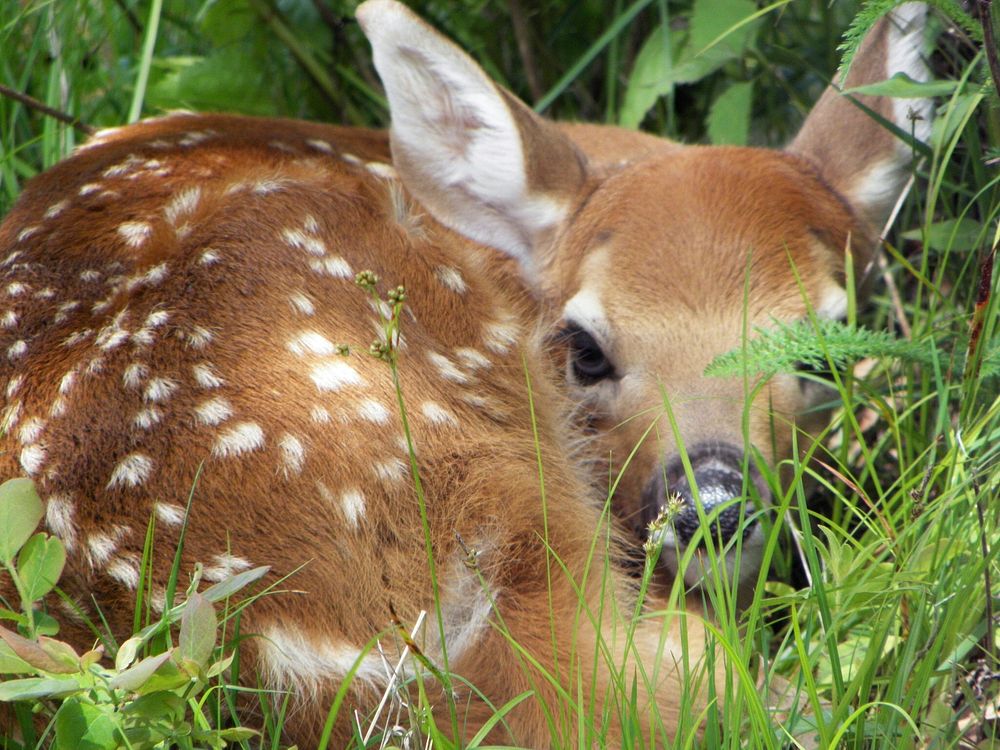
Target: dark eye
column 589, row 363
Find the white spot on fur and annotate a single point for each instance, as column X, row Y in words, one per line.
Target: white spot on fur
column 31, row 430
column 159, row 390
column 379, row 169
column 14, row 385
column 45, row 293
column 241, row 438
column 17, row 349
column 446, row 368
column 472, row 359
column 319, row 414
column 204, row 376
column 59, row 512
column 27, row 232
column 77, row 337
column 135, row 233
column 351, row 159
column 293, row 454
column 151, row 277
column 302, row 241
column 392, row 470
column 169, row 513
column 353, row 504
column 55, row 209
column 134, row 374
column 156, row 319
column 289, row 657
column 334, row 375
column 146, row 418
column 131, row 471
column 101, row 546
column 125, row 570
column 310, row 342
column 224, row 566
column 319, row 145
column 214, row 411
column 199, row 337
column 32, row 459
column 90, row 187
column 9, row 319
column 209, row 257
column 451, row 278
column 438, row 415
column 183, row 203
column 334, row 266
column 499, row 337
column 90, row 275
column 10, row 416
column 67, row 381
column 59, row 407
column 373, row 411
column 301, row 303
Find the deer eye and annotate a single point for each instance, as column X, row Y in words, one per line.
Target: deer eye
column 589, row 362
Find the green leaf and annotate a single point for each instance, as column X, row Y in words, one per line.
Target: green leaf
column 237, row 734
column 951, row 234
column 20, row 513
column 228, row 22
column 650, row 78
column 729, row 118
column 61, row 652
column 220, row 81
column 198, row 630
column 229, row 586
column 901, row 86
column 40, row 564
column 11, row 663
column 786, row 347
column 127, row 653
column 31, row 688
column 718, row 34
column 720, row 24
column 139, row 674
column 84, row 726
column 161, row 705
column 220, row 666
column 35, row 654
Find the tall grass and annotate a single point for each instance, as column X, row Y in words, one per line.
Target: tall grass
column 894, row 643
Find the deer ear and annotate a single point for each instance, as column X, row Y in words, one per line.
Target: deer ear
column 857, row 155
column 477, row 158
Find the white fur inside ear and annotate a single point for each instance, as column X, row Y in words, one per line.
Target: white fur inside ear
column 907, row 24
column 456, row 144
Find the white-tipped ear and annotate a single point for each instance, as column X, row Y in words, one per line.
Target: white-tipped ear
column 859, row 157
column 479, row 160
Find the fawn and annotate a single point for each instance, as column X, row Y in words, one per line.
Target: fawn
column 179, row 294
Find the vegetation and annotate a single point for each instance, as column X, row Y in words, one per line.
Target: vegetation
column 893, row 644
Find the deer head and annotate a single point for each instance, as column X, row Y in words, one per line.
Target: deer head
column 661, row 257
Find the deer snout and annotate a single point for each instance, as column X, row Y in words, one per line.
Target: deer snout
column 720, row 495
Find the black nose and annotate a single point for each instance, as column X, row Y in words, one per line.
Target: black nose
column 718, row 476
column 718, row 487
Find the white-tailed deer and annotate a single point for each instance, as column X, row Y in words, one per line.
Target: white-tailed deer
column 175, row 298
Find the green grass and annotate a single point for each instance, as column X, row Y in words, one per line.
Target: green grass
column 900, row 535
